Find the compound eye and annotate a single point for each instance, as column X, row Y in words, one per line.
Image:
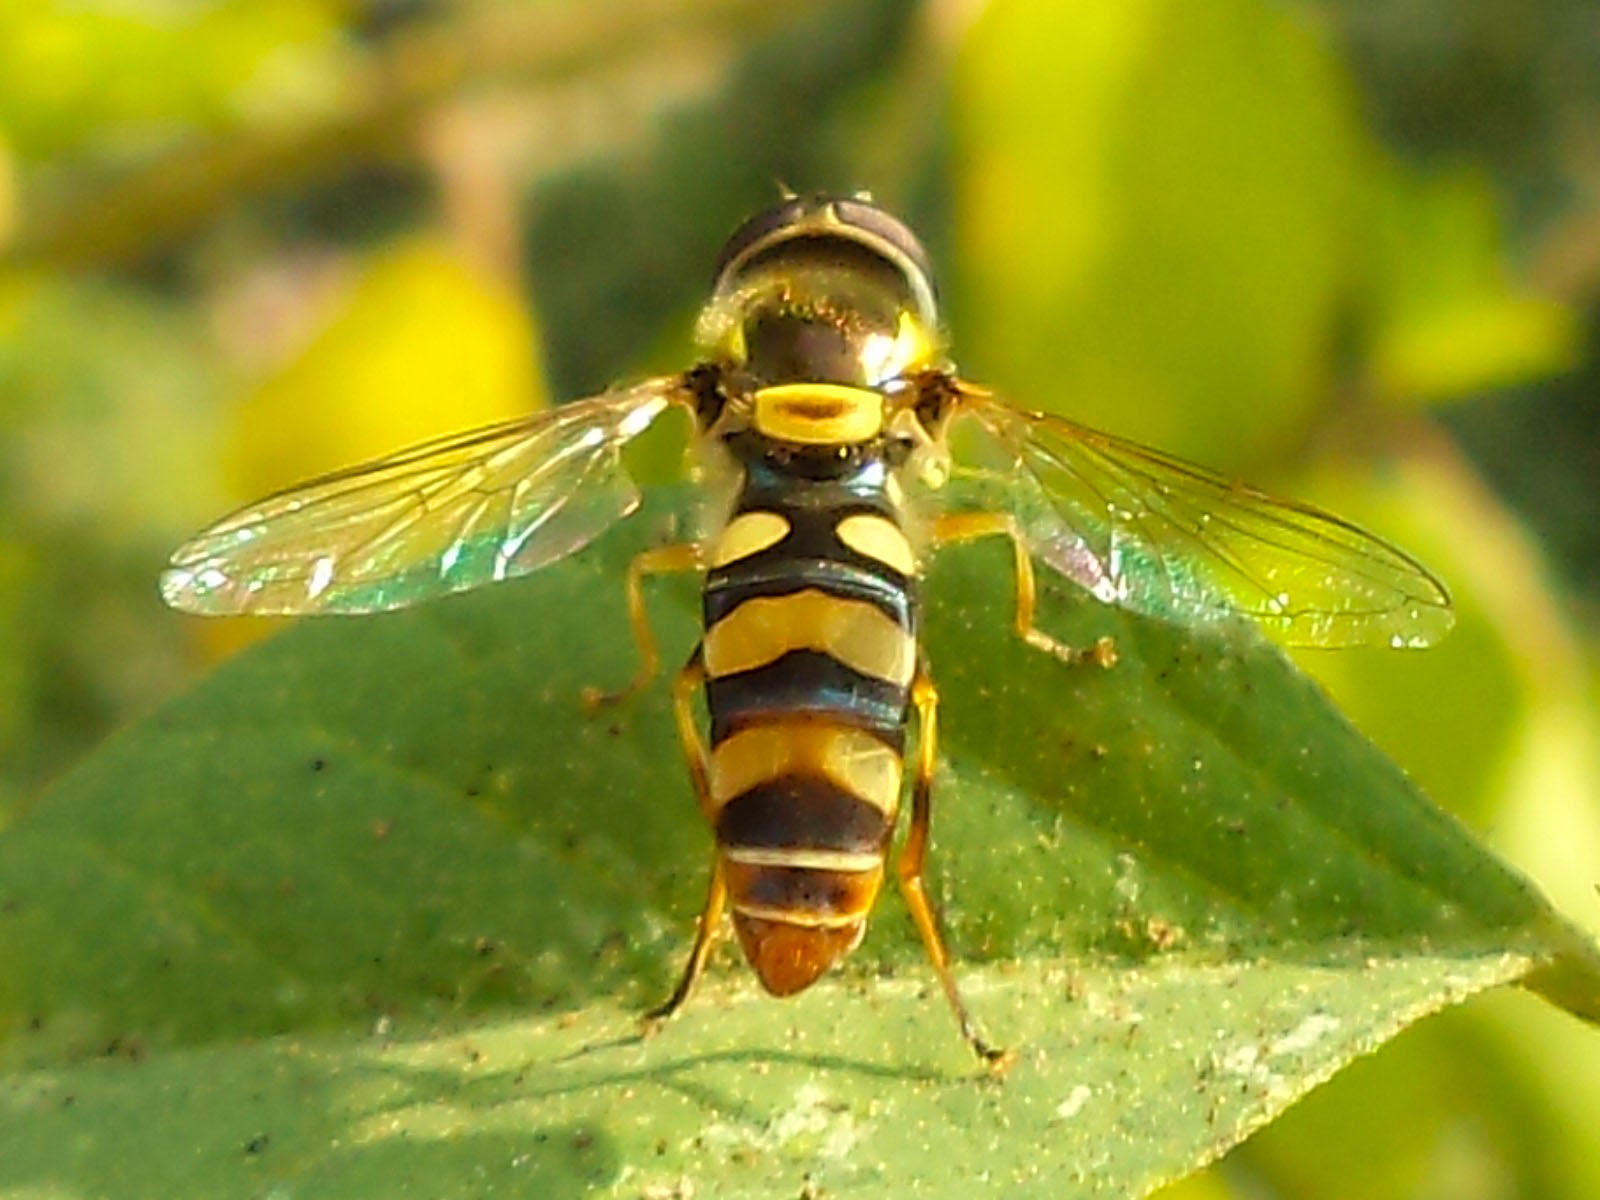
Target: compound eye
column 760, row 227
column 824, row 216
column 868, row 217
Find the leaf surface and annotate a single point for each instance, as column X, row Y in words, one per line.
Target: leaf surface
column 399, row 850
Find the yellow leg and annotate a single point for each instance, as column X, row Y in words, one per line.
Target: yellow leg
column 662, row 560
column 704, row 938
column 689, row 681
column 912, row 857
column 965, row 527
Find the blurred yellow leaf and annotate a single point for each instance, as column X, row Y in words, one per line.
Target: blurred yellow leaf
column 1450, row 319
column 1556, row 1063
column 1154, row 216
column 1483, row 342
column 8, row 195
column 423, row 345
column 1204, row 1185
column 67, row 71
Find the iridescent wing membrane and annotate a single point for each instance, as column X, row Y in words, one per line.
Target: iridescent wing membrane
column 441, row 517
column 1160, row 536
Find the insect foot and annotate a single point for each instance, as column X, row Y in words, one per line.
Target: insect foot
column 1102, row 653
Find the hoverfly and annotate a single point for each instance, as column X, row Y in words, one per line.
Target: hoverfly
column 825, row 400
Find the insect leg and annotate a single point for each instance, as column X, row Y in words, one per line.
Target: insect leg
column 660, row 560
column 690, row 679
column 704, row 937
column 913, row 855
column 966, row 527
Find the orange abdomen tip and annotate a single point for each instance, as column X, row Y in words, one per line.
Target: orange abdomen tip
column 789, row 958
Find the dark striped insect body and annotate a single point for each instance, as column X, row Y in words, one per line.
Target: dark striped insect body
column 809, row 653
column 823, row 406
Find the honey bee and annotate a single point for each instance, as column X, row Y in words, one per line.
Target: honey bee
column 825, row 401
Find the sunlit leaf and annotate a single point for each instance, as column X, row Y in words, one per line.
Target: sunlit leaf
column 1182, row 888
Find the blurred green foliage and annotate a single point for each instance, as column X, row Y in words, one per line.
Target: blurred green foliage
column 1350, row 251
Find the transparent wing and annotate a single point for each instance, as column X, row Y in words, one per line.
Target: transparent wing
column 1160, row 536
column 441, row 517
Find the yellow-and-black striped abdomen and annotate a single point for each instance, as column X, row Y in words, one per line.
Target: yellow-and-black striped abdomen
column 810, row 649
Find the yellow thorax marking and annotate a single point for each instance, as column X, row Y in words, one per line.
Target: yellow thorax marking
column 818, row 414
column 878, row 537
column 856, row 633
column 749, row 533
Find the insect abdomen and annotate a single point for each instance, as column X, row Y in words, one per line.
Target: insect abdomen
column 809, row 652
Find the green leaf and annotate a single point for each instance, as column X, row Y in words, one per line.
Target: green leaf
column 1148, row 1070
column 1182, row 888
